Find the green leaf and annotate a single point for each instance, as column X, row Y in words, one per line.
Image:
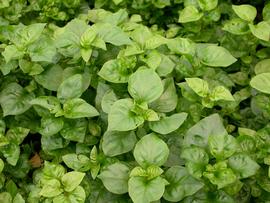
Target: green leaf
column 198, row 134
column 168, row 100
column 48, row 102
column 220, row 175
column 215, row 56
column 74, row 129
column 181, row 45
column 2, row 165
column 31, row 33
column 71, row 180
column 77, row 162
column 243, row 165
column 156, row 155
column 121, row 117
column 17, row 134
column 115, row 178
column 70, row 88
column 5, row 197
column 115, row 143
column 108, row 100
column 51, row 125
column 236, row 26
column 30, row 68
column 145, row 85
column 18, row 198
column 78, row 108
column 77, row 195
column 113, row 71
column 261, row 82
column 112, row 34
column 15, row 100
column 199, row 86
column 221, row 93
column 208, row 5
column 145, row 191
column 169, row 124
column 196, row 160
column 51, row 78
column 181, row 184
column 261, row 30
column 222, row 147
column 245, row 12
column 189, row 14
column 86, row 54
column 262, row 66
column 51, row 188
column 52, row 171
column 12, row 52
column 11, row 152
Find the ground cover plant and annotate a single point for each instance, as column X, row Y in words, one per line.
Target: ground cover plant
column 144, row 101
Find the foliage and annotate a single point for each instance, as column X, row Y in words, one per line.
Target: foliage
column 144, row 101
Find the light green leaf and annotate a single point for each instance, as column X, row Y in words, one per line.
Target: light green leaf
column 77, row 196
column 236, row 26
column 51, row 125
column 221, row 93
column 261, row 82
column 86, row 54
column 169, row 124
column 145, row 85
column 115, row 143
column 115, row 178
column 71, row 180
column 5, row 197
column 144, row 191
column 12, row 52
column 18, row 198
column 74, row 129
column 189, row 14
column 17, row 134
column 11, row 152
column 121, row 118
column 181, row 184
column 243, row 165
column 113, row 71
column 168, row 100
column 156, row 155
column 198, row 134
column 220, row 175
column 181, row 45
column 52, row 188
column 48, row 102
column 215, row 56
column 108, row 100
column 261, row 30
column 30, row 33
column 70, row 88
column 78, row 108
column 262, row 66
column 196, row 160
column 14, row 99
column 77, row 162
column 245, row 12
column 207, row 5
column 51, row 78
column 199, row 86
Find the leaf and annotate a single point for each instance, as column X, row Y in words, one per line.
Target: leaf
column 215, row 56
column 156, row 155
column 261, row 30
column 208, row 5
column 181, row 184
column 11, row 152
column 115, row 143
column 74, row 129
column 15, row 100
column 199, row 133
column 245, row 12
column 17, row 134
column 121, row 118
column 76, row 162
column 51, row 78
column 199, row 86
column 145, row 85
column 108, row 100
column 51, row 126
column 113, row 71
column 52, row 188
column 70, row 88
column 181, row 45
column 261, row 82
column 222, row 147
column 189, row 14
column 169, row 124
column 262, row 66
column 12, row 52
column 142, row 191
column 71, row 180
column 77, row 195
column 168, row 100
column 243, row 165
column 78, row 108
column 115, row 178
column 221, row 93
